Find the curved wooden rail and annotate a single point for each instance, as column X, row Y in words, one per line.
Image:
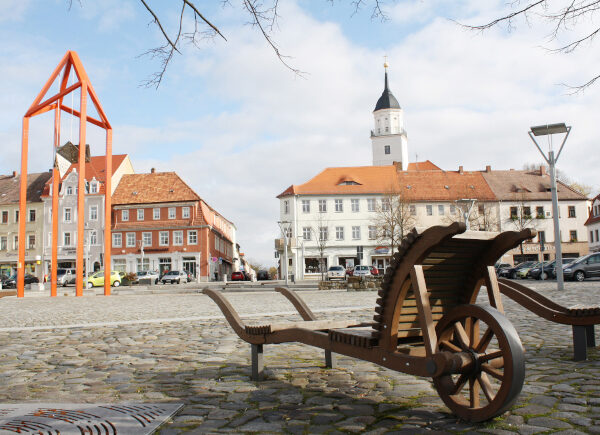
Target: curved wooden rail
column 298, row 303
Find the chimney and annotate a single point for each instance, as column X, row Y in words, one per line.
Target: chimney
column 542, row 170
column 488, row 168
column 398, row 166
column 153, row 170
column 14, row 174
column 461, row 170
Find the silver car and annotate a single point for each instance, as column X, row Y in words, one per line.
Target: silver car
column 336, row 272
column 361, row 271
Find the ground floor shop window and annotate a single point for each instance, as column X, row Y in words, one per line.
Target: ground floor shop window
column 189, row 265
column 119, row 265
column 381, row 264
column 348, row 262
column 164, row 265
column 143, row 264
column 311, row 265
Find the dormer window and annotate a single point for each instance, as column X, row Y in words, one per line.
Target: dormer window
column 349, row 183
column 69, row 190
column 94, row 187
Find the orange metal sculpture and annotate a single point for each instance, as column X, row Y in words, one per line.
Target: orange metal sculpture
column 55, row 102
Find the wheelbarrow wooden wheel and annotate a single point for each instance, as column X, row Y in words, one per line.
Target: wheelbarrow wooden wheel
column 491, row 383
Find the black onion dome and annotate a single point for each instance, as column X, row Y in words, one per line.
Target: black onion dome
column 387, row 99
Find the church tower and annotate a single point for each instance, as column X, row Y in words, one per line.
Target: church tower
column 388, row 139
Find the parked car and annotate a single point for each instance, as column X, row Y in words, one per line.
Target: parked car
column 66, row 276
column 263, row 275
column 500, row 266
column 336, row 272
column 237, row 276
column 11, row 282
column 523, row 272
column 374, row 271
column 541, row 270
column 174, row 276
column 584, row 267
column 97, row 279
column 148, row 274
column 513, row 271
column 361, row 271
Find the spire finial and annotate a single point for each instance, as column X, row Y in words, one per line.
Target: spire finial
column 385, row 63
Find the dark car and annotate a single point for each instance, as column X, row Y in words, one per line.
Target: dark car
column 584, row 267
column 541, row 270
column 12, row 281
column 237, row 276
column 263, row 275
column 500, row 266
column 513, row 271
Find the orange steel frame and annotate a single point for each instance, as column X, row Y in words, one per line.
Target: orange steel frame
column 70, row 60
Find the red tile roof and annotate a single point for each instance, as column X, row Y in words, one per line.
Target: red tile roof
column 593, row 219
column 10, row 187
column 155, row 187
column 527, row 185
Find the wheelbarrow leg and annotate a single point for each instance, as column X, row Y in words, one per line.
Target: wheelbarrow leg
column 591, row 337
column 330, row 359
column 580, row 342
column 257, row 362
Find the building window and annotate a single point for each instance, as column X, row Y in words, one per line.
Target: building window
column 156, row 214
column 93, row 237
column 539, row 212
column 67, row 239
column 413, row 209
column 178, row 238
column 69, row 190
column 185, row 212
column 305, row 206
column 452, row 209
column 323, row 233
column 3, row 243
column 356, row 233
column 527, row 212
column 339, row 205
column 322, row 205
column 163, row 238
column 385, row 204
column 94, row 187
column 306, row 233
column 339, row 233
column 386, row 149
column 143, row 265
column 429, row 208
column 597, row 240
column 371, row 204
column 591, row 236
column 192, row 237
column 4, row 216
column 16, row 243
column 32, row 215
column 124, row 215
column 117, row 240
column 572, row 211
column 542, row 236
column 16, row 216
column 354, row 204
column 286, row 206
column 93, row 212
column 372, row 232
column 31, row 241
column 514, row 214
column 67, row 214
column 172, row 214
column 120, row 265
column 573, row 236
column 140, row 214
column 441, row 210
column 130, row 240
column 147, row 239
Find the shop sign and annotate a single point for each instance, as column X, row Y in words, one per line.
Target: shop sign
column 382, row 250
column 214, row 259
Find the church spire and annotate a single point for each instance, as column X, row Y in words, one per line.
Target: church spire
column 387, row 99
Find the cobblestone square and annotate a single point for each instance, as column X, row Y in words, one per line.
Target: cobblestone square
column 177, row 347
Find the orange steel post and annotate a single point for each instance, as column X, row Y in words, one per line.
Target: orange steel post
column 107, row 212
column 81, row 191
column 55, row 182
column 22, row 211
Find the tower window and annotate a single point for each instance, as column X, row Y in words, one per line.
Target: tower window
column 387, row 128
column 386, row 149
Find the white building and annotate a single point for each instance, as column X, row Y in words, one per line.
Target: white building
column 593, row 225
column 341, row 204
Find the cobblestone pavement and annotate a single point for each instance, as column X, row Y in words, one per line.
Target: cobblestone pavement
column 162, row 348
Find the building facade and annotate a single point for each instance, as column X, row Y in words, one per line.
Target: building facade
column 593, row 225
column 9, row 223
column 160, row 223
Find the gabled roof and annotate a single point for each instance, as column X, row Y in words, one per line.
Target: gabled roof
column 155, row 187
column 71, row 152
column 526, row 185
column 10, row 187
column 593, row 219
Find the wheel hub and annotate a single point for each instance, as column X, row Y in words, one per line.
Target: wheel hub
column 476, row 362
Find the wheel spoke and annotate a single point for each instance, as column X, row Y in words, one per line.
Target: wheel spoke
column 490, row 356
column 461, row 336
column 449, row 345
column 474, row 393
column 485, row 340
column 460, row 383
column 473, row 330
column 493, row 371
column 486, row 386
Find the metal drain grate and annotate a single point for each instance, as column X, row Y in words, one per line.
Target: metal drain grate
column 84, row 419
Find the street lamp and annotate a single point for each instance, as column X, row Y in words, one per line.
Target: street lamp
column 549, row 130
column 283, row 226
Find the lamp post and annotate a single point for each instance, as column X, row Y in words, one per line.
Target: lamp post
column 549, row 130
column 283, row 226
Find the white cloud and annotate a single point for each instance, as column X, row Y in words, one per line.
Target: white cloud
column 13, row 10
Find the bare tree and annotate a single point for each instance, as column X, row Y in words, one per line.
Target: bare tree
column 320, row 231
column 486, row 218
column 522, row 216
column 394, row 217
column 565, row 18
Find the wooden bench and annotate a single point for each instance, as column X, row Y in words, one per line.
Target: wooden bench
column 425, row 323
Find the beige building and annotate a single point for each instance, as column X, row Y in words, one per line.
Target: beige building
column 9, row 223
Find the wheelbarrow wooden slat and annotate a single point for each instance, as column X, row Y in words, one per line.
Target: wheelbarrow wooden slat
column 424, row 321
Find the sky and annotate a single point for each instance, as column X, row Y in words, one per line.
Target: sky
column 240, row 128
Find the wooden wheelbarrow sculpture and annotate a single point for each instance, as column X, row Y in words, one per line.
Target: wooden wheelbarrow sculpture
column 425, row 322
